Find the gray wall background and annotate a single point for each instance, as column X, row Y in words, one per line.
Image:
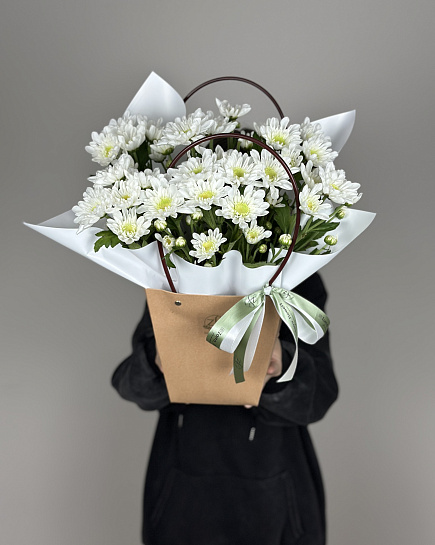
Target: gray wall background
column 73, row 454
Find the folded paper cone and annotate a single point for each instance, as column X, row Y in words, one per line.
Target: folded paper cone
column 196, row 371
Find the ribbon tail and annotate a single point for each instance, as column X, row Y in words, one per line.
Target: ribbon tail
column 244, row 353
column 287, row 315
column 312, row 322
column 289, row 374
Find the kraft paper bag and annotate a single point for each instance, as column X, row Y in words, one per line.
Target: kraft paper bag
column 196, row 371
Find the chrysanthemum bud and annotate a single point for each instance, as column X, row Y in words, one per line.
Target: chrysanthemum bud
column 341, row 213
column 268, row 225
column 330, row 240
column 262, row 248
column 180, row 242
column 160, row 225
column 188, row 220
column 208, row 264
column 285, row 241
column 197, row 215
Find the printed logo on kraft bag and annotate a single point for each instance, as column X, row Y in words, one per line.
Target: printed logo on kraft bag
column 209, row 321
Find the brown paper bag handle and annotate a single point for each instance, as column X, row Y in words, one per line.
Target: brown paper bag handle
column 284, row 165
column 236, row 78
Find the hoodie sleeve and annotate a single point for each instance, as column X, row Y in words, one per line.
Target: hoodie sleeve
column 137, row 378
column 313, row 389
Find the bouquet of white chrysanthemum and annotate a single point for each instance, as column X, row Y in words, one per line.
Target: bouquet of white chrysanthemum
column 198, row 204
column 236, row 197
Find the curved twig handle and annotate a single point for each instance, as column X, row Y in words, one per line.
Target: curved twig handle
column 284, row 165
column 236, row 78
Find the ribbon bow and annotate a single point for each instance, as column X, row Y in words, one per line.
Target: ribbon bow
column 238, row 330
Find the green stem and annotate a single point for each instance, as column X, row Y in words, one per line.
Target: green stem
column 275, row 256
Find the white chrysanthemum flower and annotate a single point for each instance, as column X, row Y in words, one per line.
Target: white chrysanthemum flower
column 318, row 150
column 254, row 233
column 145, row 179
column 127, row 193
column 222, row 124
column 311, row 202
column 162, row 201
column 232, row 112
column 181, row 131
column 195, row 168
column 293, row 157
column 114, row 173
column 186, row 129
column 205, row 246
column 335, row 185
column 204, row 193
column 104, row 147
column 135, row 119
column 310, row 130
column 278, row 134
column 239, row 168
column 243, row 208
column 310, row 175
column 154, row 130
column 130, row 137
column 128, row 226
column 272, row 173
column 95, row 204
column 160, row 151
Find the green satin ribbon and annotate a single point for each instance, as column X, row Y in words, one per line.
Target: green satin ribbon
column 238, row 330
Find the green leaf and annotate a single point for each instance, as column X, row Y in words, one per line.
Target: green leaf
column 168, row 261
column 106, row 239
column 285, row 220
column 134, row 246
column 256, row 265
column 142, row 155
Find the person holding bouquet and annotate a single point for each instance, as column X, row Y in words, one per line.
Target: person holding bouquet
column 224, row 221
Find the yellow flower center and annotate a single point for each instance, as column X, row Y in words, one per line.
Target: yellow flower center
column 163, row 203
column 279, row 139
column 253, row 234
column 270, row 172
column 197, row 170
column 312, row 204
column 239, row 172
column 129, row 228
column 208, row 245
column 335, row 186
column 241, row 208
column 207, row 194
column 107, row 150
